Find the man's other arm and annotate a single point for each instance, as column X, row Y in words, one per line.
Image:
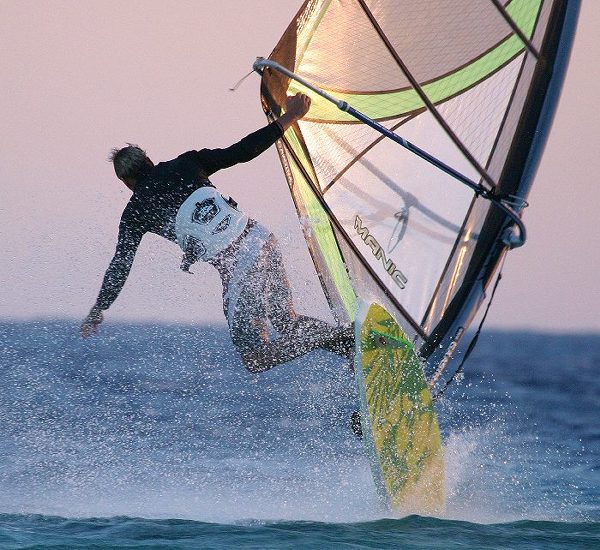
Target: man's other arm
column 114, row 278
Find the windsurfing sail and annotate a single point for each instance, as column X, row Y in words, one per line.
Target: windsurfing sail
column 472, row 86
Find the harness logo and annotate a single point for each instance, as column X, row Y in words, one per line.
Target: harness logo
column 222, row 225
column 364, row 233
column 205, row 211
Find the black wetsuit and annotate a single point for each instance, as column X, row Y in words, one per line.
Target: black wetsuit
column 159, row 192
column 262, row 296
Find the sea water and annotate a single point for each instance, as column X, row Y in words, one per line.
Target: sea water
column 154, row 436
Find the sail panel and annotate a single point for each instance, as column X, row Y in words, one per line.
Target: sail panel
column 438, row 39
column 345, row 144
column 380, row 89
column 319, row 63
column 394, row 229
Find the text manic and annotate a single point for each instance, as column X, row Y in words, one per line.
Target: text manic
column 377, row 250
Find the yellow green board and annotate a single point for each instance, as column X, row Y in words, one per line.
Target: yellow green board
column 399, row 424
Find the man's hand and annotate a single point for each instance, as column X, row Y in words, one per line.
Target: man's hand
column 295, row 108
column 91, row 322
column 297, row 105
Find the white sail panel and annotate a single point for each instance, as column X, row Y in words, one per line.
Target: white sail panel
column 412, row 211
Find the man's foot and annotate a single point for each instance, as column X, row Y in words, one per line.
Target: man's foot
column 356, row 425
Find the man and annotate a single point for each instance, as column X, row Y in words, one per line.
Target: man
column 176, row 200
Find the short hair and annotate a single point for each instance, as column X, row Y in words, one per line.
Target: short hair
column 127, row 161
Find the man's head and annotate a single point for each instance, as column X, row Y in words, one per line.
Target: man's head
column 128, row 162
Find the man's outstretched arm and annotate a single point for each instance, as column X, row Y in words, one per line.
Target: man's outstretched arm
column 114, row 279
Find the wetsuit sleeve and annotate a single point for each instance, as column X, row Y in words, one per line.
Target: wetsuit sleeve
column 120, row 266
column 243, row 151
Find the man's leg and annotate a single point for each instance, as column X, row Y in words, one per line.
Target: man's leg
column 267, row 355
column 292, row 326
column 267, row 295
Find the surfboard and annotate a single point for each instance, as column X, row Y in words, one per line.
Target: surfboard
column 399, row 424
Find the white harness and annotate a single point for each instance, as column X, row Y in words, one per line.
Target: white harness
column 207, row 223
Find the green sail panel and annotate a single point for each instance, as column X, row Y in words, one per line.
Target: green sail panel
column 385, row 104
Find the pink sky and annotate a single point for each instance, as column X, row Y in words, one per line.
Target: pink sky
column 81, row 77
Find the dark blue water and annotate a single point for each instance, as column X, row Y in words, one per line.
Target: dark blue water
column 156, row 437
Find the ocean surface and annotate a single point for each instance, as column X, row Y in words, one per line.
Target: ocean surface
column 154, row 436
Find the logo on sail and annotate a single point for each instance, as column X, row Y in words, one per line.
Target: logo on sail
column 364, row 233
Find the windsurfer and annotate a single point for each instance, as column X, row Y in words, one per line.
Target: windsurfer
column 176, row 200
